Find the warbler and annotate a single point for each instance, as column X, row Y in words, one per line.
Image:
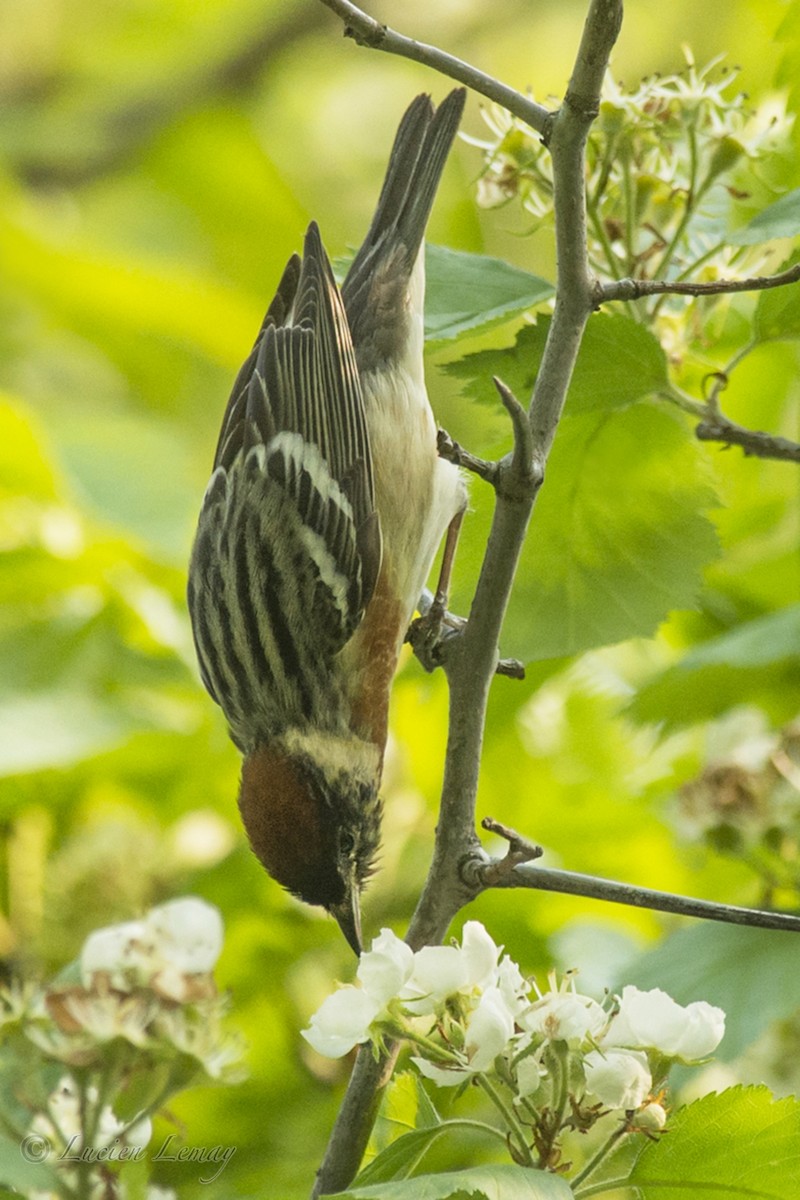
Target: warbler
column 317, row 532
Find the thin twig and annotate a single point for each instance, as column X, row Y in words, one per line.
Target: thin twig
column 548, row 879
column 366, row 31
column 634, row 289
column 755, row 443
column 520, row 850
column 450, row 450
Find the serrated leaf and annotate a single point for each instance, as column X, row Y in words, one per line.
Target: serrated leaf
column 781, row 219
column 740, row 1145
column 728, row 966
column 467, row 291
column 778, row 310
column 619, row 363
column 618, row 537
column 504, row 1182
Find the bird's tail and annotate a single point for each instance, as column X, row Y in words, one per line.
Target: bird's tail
column 382, row 267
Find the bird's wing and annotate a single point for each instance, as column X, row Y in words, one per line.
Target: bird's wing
column 374, row 291
column 288, row 546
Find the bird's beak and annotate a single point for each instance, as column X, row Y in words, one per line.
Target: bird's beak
column 348, row 914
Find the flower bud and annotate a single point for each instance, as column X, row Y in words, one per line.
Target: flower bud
column 652, row 1118
column 618, row 1078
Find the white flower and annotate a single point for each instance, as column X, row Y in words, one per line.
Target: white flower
column 64, row 1106
column 564, row 1016
column 341, row 1022
column 188, row 933
column 109, row 1127
column 653, row 1020
column 490, row 1027
column 703, row 1031
column 480, row 954
column 439, row 972
column 116, row 950
column 443, row 971
column 385, row 968
column 103, row 1015
column 140, row 1133
column 530, row 1076
column 513, row 985
column 443, row 1076
column 178, row 939
column 618, row 1078
column 201, row 1035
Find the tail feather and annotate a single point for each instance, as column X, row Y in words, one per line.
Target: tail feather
column 374, row 291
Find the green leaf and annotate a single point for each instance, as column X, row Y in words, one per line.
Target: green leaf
column 466, row 291
column 23, row 463
column 405, row 1108
column 750, row 973
column 77, row 727
column 766, row 639
column 619, row 363
column 402, row 1156
column 778, row 310
column 618, row 536
column 504, row 1182
column 19, row 1168
column 761, row 654
column 158, row 501
column 740, row 1145
column 780, row 219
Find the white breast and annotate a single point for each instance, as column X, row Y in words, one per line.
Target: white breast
column 417, row 493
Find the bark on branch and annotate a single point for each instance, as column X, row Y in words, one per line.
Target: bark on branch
column 634, row 289
column 366, row 31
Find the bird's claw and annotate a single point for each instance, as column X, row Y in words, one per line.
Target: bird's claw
column 430, row 634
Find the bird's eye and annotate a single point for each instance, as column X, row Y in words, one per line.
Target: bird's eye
column 347, row 843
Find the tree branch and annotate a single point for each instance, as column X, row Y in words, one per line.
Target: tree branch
column 471, row 665
column 755, row 443
column 574, row 283
column 634, row 289
column 495, row 873
column 366, row 31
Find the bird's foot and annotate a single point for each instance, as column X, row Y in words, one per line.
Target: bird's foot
column 432, row 633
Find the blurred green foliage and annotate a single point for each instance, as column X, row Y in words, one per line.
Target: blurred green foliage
column 158, row 163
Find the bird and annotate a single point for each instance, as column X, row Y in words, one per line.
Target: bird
column 324, row 511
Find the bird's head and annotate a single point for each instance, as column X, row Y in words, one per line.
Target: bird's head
column 310, row 805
